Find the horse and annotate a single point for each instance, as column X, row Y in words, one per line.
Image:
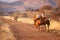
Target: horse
column 42, row 21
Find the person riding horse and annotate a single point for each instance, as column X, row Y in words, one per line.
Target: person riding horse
column 37, row 17
column 41, row 20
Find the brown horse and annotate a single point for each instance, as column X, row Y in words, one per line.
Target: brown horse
column 42, row 21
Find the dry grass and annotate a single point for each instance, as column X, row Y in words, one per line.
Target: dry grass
column 9, row 17
column 5, row 33
column 54, row 24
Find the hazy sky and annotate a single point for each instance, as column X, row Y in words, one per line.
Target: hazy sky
column 9, row 0
column 25, row 4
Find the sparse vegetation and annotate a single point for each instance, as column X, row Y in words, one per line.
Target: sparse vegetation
column 16, row 20
column 5, row 33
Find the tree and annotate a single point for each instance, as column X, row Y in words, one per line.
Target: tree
column 25, row 15
column 47, row 7
column 58, row 2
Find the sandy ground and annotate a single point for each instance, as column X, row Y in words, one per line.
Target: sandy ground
column 5, row 32
column 25, row 31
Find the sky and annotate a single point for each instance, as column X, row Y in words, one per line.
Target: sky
column 24, row 4
column 29, row 2
column 9, row 0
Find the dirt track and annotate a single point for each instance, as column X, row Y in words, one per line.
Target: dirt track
column 24, row 31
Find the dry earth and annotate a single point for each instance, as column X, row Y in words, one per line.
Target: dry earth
column 25, row 31
column 5, row 32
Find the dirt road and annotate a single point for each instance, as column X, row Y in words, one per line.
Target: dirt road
column 24, row 31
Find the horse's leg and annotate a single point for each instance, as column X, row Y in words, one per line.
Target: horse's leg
column 45, row 27
column 48, row 28
column 39, row 27
column 36, row 26
column 48, row 25
column 42, row 28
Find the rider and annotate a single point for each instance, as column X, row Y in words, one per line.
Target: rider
column 43, row 15
column 36, row 17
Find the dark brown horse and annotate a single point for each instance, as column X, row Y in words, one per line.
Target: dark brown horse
column 42, row 21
